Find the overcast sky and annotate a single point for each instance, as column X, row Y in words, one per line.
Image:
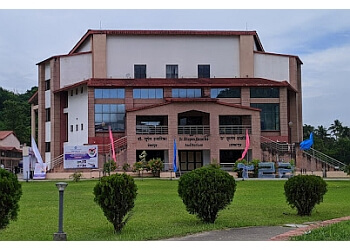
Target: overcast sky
column 321, row 39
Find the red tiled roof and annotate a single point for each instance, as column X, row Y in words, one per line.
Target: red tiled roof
column 10, row 149
column 4, row 134
column 180, row 82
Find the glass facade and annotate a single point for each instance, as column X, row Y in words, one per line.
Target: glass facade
column 186, row 93
column 264, row 93
column 225, row 93
column 110, row 115
column 148, row 93
column 110, row 93
column 269, row 116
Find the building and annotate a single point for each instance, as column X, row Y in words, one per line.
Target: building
column 10, row 151
column 203, row 89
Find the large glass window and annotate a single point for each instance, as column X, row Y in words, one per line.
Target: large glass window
column 148, row 93
column 139, row 71
column 110, row 115
column 110, row 93
column 186, row 93
column 225, row 93
column 264, row 92
column 171, row 71
column 203, row 71
column 269, row 116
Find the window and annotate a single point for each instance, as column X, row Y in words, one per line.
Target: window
column 203, row 71
column 47, row 84
column 225, row 93
column 139, row 71
column 47, row 114
column 71, row 92
column 82, row 90
column 110, row 115
column 71, row 128
column 264, row 93
column 148, row 93
column 47, row 146
column 270, row 115
column 76, row 127
column 82, row 127
column 171, row 71
column 110, row 93
column 76, row 91
column 187, row 93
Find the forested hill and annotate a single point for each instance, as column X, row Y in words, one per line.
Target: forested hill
column 15, row 113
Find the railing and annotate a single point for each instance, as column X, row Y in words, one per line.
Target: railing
column 279, row 147
column 337, row 165
column 119, row 145
column 55, row 162
column 194, row 130
column 234, row 129
column 151, row 130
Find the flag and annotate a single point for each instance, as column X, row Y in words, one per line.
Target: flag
column 112, row 144
column 174, row 162
column 36, row 152
column 306, row 144
column 247, row 144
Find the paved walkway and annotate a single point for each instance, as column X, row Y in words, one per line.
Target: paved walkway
column 263, row 233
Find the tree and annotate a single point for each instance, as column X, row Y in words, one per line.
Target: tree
column 336, row 128
column 10, row 194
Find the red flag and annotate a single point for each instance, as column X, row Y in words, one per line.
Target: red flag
column 112, row 143
column 247, row 144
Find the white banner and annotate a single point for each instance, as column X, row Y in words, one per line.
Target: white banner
column 39, row 171
column 80, row 156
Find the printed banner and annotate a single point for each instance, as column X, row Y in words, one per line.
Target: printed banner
column 39, row 171
column 80, row 156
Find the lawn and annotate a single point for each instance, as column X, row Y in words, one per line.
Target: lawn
column 159, row 212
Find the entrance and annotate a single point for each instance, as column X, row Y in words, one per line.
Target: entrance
column 190, row 159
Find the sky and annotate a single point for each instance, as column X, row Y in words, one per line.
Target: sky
column 320, row 38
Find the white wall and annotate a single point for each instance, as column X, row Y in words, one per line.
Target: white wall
column 47, row 131
column 75, row 69
column 222, row 53
column 47, row 71
column 77, row 115
column 273, row 67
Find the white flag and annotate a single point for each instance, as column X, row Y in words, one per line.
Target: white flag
column 36, row 152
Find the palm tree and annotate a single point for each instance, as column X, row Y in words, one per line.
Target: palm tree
column 336, row 129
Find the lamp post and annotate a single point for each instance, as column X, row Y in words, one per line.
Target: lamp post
column 60, row 235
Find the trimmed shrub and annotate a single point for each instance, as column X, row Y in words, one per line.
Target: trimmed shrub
column 303, row 192
column 115, row 194
column 205, row 191
column 10, row 194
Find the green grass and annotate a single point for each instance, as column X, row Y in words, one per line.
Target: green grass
column 335, row 232
column 159, row 212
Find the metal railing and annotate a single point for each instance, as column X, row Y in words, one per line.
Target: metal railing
column 57, row 161
column 337, row 165
column 194, row 130
column 234, row 129
column 279, row 147
column 151, row 130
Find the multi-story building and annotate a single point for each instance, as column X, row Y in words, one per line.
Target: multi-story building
column 203, row 89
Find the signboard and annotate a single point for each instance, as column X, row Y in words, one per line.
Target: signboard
column 80, row 157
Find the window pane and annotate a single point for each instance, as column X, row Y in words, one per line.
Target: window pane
column 182, row 92
column 175, row 93
column 105, row 108
column 159, row 93
column 152, row 93
column 121, row 93
column 137, row 93
column 98, row 108
column 121, row 108
column 113, row 108
column 106, row 118
column 269, row 115
column 203, row 71
column 144, row 93
column 198, row 93
column 113, row 93
column 98, row 93
column 264, row 92
column 98, row 118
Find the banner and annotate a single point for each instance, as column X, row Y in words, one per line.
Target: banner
column 80, row 157
column 39, row 171
column 36, row 151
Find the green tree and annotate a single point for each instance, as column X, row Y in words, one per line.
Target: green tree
column 336, row 129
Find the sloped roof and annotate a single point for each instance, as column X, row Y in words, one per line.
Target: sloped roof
column 4, row 134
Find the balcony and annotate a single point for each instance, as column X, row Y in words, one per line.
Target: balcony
column 234, row 129
column 151, row 130
column 193, row 130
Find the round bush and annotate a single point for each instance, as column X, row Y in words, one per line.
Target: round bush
column 10, row 194
column 116, row 194
column 205, row 191
column 303, row 192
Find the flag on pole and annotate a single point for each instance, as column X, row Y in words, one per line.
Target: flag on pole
column 175, row 153
column 306, row 144
column 247, row 144
column 36, row 152
column 112, row 144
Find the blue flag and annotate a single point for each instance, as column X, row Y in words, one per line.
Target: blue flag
column 305, row 145
column 174, row 162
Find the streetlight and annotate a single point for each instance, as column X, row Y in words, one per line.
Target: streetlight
column 60, row 235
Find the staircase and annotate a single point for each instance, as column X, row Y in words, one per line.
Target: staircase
column 279, row 149
column 120, row 145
